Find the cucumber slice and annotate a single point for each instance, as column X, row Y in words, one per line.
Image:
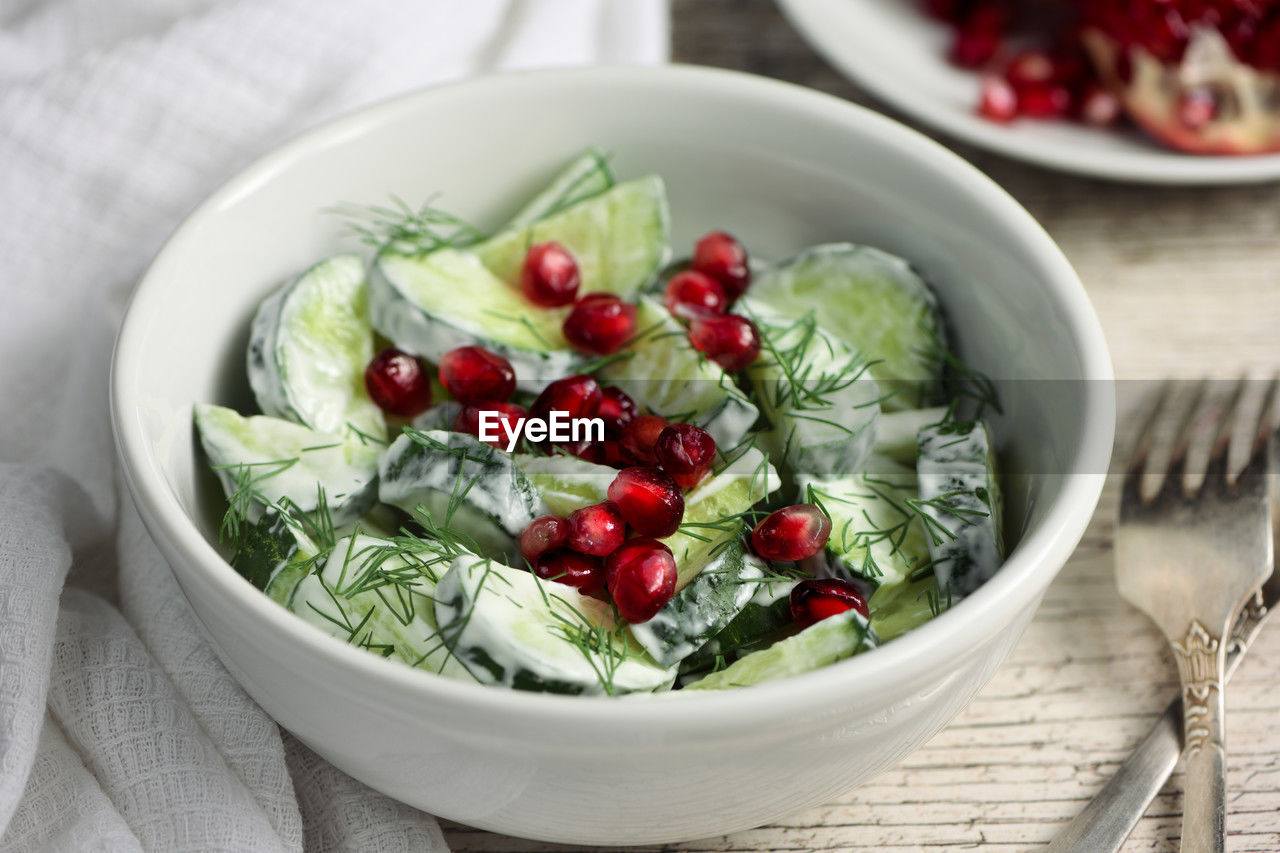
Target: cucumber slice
column 511, row 629
column 960, row 495
column 566, row 483
column 586, row 177
column 763, row 620
column 896, row 610
column 309, row 345
column 431, row 303
column 456, row 484
column 377, row 594
column 620, row 239
column 713, row 511
column 442, row 416
column 877, row 535
column 273, row 554
column 819, row 645
column 896, row 432
column 663, row 373
column 817, row 394
column 263, row 461
column 873, row 301
column 703, row 608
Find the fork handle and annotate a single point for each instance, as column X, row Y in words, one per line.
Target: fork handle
column 1204, row 802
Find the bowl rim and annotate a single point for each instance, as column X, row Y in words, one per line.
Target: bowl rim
column 1041, row 552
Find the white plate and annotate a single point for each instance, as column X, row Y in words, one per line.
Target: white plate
column 890, row 48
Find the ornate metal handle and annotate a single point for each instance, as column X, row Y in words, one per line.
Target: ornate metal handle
column 1201, row 661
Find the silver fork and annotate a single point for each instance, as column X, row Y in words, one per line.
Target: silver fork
column 1192, row 558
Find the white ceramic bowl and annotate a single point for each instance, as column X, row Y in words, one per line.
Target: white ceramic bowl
column 780, row 166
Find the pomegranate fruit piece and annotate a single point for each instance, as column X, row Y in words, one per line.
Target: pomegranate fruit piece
column 642, row 581
column 998, row 102
column 616, row 409
column 685, row 452
column 1099, row 107
column 730, row 341
column 398, row 383
column 597, row 529
column 640, row 438
column 577, row 395
column 1045, row 100
column 815, row 600
column 723, row 258
column 791, row 533
column 628, row 551
column 600, row 323
column 468, row 420
column 1030, row 68
column 543, row 534
column 648, row 499
column 581, row 571
column 691, row 293
column 474, row 373
column 549, row 276
column 979, row 35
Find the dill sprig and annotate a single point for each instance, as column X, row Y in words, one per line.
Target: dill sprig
column 404, row 229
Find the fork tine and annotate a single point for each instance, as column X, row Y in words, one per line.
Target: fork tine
column 1258, row 452
column 1175, row 471
column 1216, row 468
column 1132, row 488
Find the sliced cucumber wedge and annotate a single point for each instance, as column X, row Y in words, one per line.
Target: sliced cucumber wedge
column 713, row 512
column 584, row 178
column 877, row 535
column 513, row 630
column 897, row 609
column 704, row 607
column 309, row 344
column 428, row 304
column 263, row 461
column 459, row 487
column 960, row 495
column 830, row 640
column 620, row 239
column 377, row 594
column 873, row 301
column 663, row 373
column 566, row 483
column 896, row 432
column 762, row 621
column 273, row 554
column 817, row 394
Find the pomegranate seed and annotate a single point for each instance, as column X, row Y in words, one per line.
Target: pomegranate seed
column 577, row 395
column 640, row 438
column 791, row 533
column 550, row 275
column 598, row 529
column 468, row 420
column 616, row 409
column 587, row 451
column 975, row 47
column 600, row 323
column 1029, row 68
column 730, row 341
column 543, row 534
column 398, row 383
column 723, row 258
column 691, row 293
column 1197, row 107
column 1099, row 107
column 685, row 452
column 582, row 571
column 814, row 600
column 628, row 551
column 1050, row 100
column 998, row 102
column 615, row 456
column 641, row 579
column 649, row 500
column 474, row 373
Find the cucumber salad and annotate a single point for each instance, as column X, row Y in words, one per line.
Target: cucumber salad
column 550, row 458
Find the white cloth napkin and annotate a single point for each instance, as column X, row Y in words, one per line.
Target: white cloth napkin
column 119, row 729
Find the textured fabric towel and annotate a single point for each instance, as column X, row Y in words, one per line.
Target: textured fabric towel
column 119, row 729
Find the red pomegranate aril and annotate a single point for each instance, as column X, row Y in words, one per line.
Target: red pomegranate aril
column 814, row 600
column 1099, row 107
column 1048, row 100
column 474, row 373
column 550, row 275
column 578, row 396
column 616, row 409
column 1197, row 107
column 582, row 571
column 600, row 323
column 685, row 452
column 614, row 455
column 723, row 258
column 730, row 341
column 791, row 533
column 628, row 551
column 648, row 499
column 597, row 529
column 640, row 438
column 587, row 451
column 691, row 293
column 979, row 36
column 997, row 101
column 468, row 421
column 642, row 580
column 1030, row 68
column 543, row 534
column 398, row 383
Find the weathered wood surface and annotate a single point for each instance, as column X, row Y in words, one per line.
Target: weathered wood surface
column 1187, row 283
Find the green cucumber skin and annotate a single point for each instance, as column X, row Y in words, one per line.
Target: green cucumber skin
column 266, row 549
column 586, row 177
column 764, row 619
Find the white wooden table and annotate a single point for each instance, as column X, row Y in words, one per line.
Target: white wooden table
column 1187, row 283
